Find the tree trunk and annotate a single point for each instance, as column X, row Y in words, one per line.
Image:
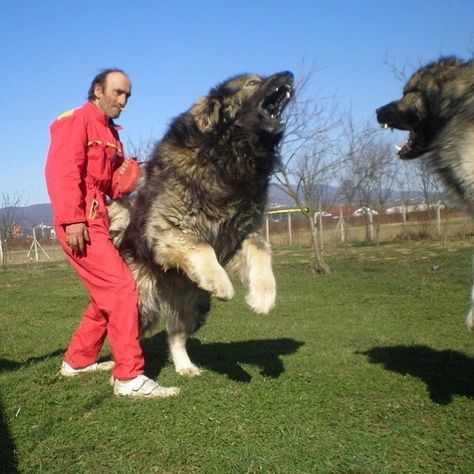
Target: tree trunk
column 320, row 266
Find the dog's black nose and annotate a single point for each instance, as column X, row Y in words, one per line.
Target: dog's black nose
column 289, row 74
column 380, row 113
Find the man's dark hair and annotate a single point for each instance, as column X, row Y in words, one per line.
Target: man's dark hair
column 100, row 80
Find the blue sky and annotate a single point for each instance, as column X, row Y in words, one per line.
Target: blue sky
column 175, row 51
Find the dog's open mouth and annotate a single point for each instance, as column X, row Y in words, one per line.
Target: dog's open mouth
column 413, row 147
column 274, row 104
column 277, row 100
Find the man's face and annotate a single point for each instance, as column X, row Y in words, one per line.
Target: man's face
column 113, row 97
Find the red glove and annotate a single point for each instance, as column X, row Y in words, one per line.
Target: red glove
column 125, row 178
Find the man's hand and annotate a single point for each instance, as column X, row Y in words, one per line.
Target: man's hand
column 76, row 237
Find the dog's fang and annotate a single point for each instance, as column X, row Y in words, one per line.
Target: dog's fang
column 398, row 148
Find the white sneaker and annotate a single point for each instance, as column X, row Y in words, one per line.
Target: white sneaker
column 142, row 387
column 68, row 371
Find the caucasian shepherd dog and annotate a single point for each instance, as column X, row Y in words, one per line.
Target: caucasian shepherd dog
column 200, row 206
column 437, row 109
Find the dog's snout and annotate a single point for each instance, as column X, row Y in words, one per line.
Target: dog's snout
column 378, row 113
column 288, row 75
column 381, row 113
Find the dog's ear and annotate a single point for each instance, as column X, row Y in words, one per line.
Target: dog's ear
column 206, row 113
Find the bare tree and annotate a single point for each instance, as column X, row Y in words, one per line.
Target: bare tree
column 370, row 173
column 309, row 160
column 140, row 149
column 10, row 213
column 405, row 183
column 428, row 184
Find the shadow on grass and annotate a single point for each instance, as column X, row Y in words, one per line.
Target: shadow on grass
column 8, row 461
column 8, row 365
column 446, row 373
column 225, row 357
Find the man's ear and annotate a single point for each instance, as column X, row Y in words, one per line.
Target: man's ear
column 98, row 91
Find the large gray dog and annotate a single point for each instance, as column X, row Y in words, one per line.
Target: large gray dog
column 200, row 207
column 437, row 109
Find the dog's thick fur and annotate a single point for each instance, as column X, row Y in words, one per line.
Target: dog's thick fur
column 437, row 108
column 200, row 207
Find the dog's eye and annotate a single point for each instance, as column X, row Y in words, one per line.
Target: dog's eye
column 252, row 82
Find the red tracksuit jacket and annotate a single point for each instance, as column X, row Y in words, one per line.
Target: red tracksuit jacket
column 85, row 152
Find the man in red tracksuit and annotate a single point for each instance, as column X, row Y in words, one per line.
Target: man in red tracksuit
column 85, row 164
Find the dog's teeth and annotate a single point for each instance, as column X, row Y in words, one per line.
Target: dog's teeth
column 398, row 148
column 385, row 125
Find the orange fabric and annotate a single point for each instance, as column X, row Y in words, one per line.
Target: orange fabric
column 125, row 179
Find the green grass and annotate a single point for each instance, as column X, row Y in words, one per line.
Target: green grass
column 366, row 370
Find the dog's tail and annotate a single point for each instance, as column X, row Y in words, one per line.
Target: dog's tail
column 119, row 218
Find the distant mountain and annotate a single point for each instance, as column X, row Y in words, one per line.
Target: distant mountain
column 30, row 216
column 278, row 198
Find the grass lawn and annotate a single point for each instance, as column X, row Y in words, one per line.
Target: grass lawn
column 366, row 370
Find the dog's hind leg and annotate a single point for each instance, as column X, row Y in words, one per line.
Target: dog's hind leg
column 184, row 307
column 470, row 320
column 179, row 355
column 470, row 314
column 254, row 265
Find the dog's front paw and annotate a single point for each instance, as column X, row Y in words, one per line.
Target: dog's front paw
column 261, row 298
column 207, row 273
column 217, row 283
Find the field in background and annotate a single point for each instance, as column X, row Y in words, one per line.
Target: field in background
column 366, row 370
column 452, row 226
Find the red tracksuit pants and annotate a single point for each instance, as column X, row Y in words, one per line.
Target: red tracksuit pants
column 113, row 311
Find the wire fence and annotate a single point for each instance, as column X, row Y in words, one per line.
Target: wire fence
column 291, row 229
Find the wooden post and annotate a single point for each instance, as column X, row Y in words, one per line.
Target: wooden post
column 290, row 235
column 320, row 228
column 371, row 224
column 341, row 222
column 438, row 218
